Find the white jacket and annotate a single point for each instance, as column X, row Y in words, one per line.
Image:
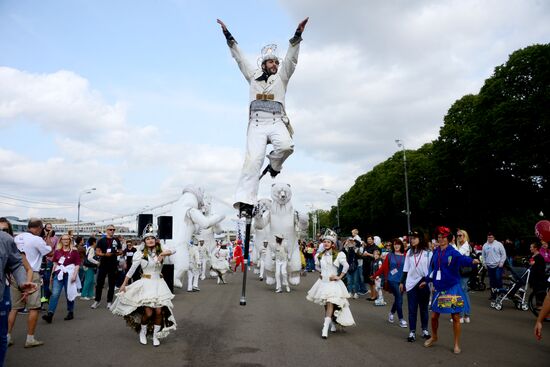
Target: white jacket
column 276, row 84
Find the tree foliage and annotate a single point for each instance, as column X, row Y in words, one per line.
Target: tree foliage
column 488, row 169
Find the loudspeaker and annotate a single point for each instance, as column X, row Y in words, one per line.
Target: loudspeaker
column 142, row 221
column 168, row 275
column 164, row 224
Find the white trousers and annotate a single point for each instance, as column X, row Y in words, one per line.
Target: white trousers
column 280, row 273
column 262, row 268
column 203, row 268
column 193, row 279
column 263, row 128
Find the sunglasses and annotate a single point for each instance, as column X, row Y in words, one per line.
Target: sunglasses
column 110, row 229
column 6, row 230
column 459, row 235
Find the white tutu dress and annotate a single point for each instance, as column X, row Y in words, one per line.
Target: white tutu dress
column 333, row 291
column 149, row 291
column 218, row 259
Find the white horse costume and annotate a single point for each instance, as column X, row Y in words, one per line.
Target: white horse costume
column 285, row 221
column 187, row 213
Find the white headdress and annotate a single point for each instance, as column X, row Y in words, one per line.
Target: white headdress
column 269, row 52
column 148, row 231
column 330, row 235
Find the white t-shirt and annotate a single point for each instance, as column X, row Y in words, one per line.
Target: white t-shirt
column 34, row 248
column 416, row 266
column 465, row 249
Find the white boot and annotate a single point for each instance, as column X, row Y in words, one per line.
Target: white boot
column 156, row 341
column 332, row 326
column 143, row 335
column 324, row 332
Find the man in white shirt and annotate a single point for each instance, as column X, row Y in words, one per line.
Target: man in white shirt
column 268, row 122
column 494, row 257
column 34, row 248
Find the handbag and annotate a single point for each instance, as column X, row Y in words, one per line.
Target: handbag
column 87, row 263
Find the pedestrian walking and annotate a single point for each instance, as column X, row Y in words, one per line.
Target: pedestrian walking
column 448, row 297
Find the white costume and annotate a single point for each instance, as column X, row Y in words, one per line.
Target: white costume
column 220, row 263
column 281, row 262
column 149, row 291
column 334, row 291
column 268, row 122
column 194, row 268
column 263, row 252
column 187, row 214
column 261, row 233
column 204, row 257
column 283, row 220
column 208, row 234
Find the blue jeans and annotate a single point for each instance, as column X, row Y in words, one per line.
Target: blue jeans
column 353, row 281
column 89, row 283
column 495, row 280
column 5, row 308
column 361, row 281
column 397, row 300
column 418, row 298
column 310, row 264
column 46, row 291
column 58, row 285
column 464, row 285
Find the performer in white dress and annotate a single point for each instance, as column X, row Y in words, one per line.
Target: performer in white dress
column 146, row 304
column 329, row 290
column 220, row 263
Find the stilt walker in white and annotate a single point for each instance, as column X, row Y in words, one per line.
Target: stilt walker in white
column 262, row 231
column 194, row 268
column 281, row 262
column 268, row 121
column 329, row 291
column 204, row 255
column 188, row 217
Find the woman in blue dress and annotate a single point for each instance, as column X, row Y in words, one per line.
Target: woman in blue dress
column 448, row 295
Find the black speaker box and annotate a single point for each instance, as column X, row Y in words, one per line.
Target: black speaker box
column 168, row 275
column 142, row 221
column 164, row 224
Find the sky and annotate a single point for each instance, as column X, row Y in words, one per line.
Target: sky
column 140, row 98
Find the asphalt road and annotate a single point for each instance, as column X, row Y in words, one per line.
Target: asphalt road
column 276, row 330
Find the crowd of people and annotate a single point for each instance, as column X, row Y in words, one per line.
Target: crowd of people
column 434, row 275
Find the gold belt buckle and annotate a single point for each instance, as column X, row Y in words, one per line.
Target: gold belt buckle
column 265, row 97
column 147, row 276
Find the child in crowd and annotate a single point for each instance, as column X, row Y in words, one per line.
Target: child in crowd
column 378, row 281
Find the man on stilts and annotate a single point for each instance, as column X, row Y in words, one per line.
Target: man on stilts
column 268, row 122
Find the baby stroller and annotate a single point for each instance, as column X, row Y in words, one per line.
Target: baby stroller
column 477, row 278
column 516, row 291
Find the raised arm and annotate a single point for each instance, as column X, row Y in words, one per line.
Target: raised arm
column 246, row 68
column 291, row 58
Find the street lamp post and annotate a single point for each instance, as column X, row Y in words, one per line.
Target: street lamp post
column 330, row 192
column 408, row 211
column 83, row 192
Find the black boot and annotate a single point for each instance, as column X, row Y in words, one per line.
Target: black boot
column 246, row 210
column 271, row 171
column 48, row 317
column 69, row 316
